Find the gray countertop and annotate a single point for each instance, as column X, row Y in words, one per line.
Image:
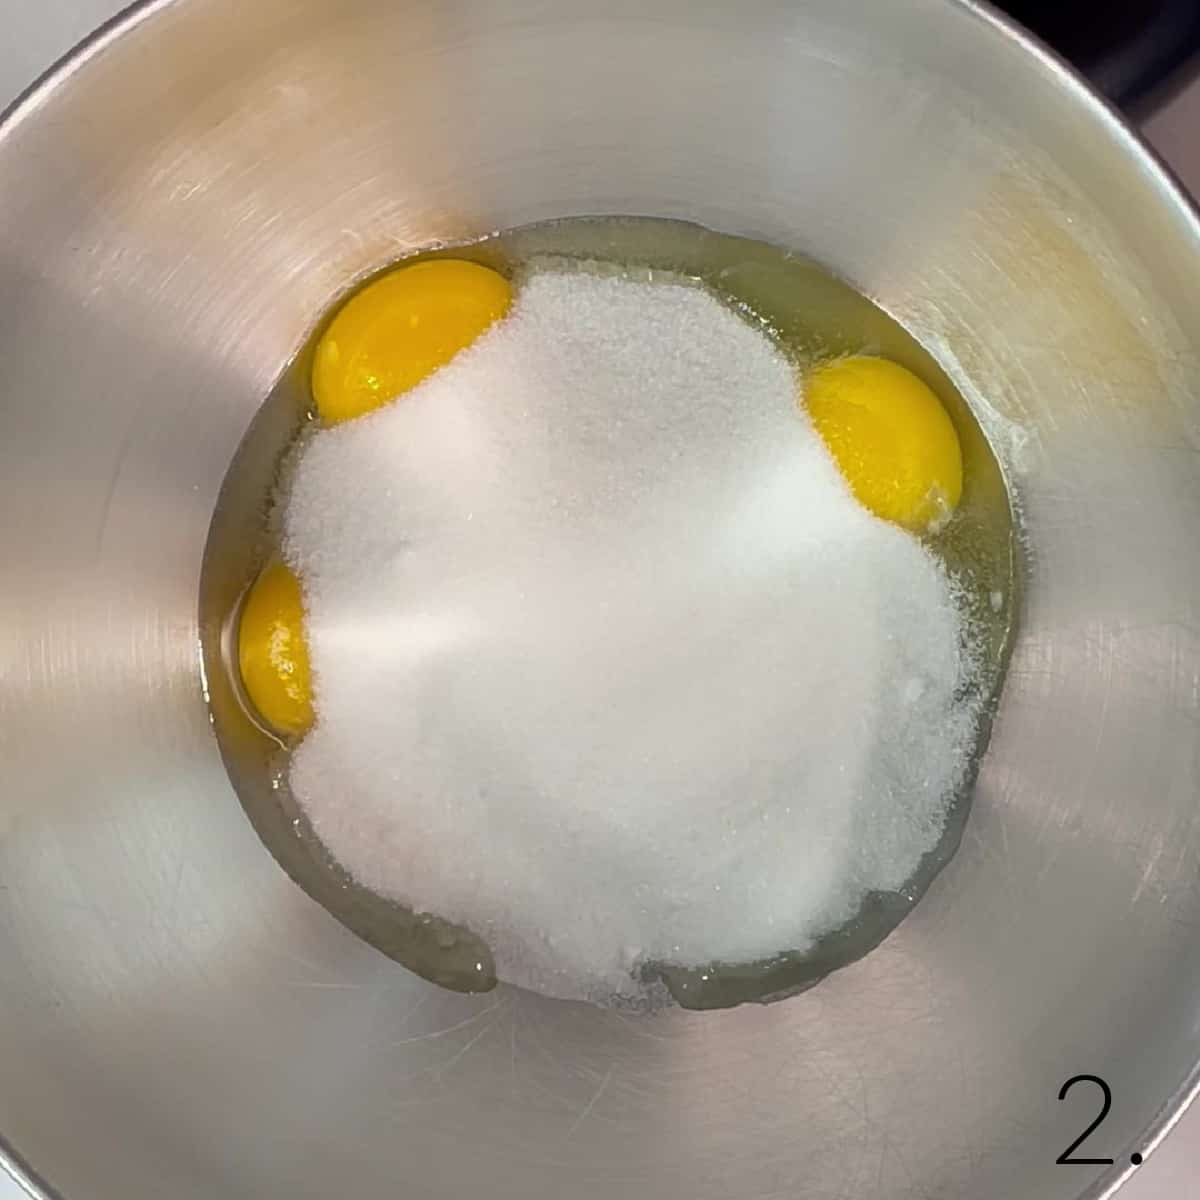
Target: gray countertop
column 38, row 31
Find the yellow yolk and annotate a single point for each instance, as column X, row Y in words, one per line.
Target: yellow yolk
column 401, row 328
column 272, row 656
column 891, row 438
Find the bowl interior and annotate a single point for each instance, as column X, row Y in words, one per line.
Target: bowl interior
column 178, row 206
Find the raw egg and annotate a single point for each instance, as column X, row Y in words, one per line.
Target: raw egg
column 402, row 327
column 272, row 655
column 891, row 438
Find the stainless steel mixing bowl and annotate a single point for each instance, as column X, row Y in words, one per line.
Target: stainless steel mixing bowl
column 179, row 201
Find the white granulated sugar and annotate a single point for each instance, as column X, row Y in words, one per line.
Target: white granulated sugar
column 610, row 667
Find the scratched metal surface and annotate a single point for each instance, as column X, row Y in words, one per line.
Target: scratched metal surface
column 175, row 1017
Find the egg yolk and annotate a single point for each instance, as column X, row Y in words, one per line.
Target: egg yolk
column 891, row 438
column 402, row 327
column 272, row 656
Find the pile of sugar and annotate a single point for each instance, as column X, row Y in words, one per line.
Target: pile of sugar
column 610, row 667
